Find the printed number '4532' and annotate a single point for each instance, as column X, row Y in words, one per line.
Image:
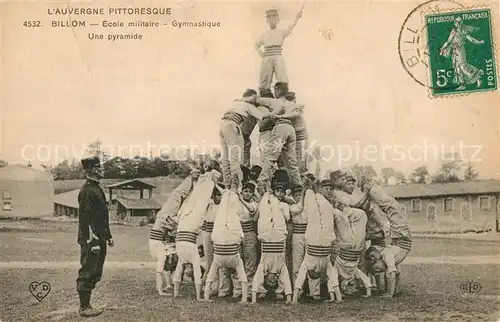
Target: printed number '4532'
column 32, row 23
column 442, row 77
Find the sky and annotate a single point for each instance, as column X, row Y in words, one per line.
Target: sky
column 61, row 90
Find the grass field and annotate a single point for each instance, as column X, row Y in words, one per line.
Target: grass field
column 431, row 291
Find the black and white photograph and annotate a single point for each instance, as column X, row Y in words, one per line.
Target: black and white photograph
column 242, row 160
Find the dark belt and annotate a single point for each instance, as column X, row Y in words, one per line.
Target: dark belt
column 272, row 50
column 349, row 255
column 378, row 242
column 299, row 228
column 235, row 117
column 273, row 247
column 318, row 251
column 163, row 236
column 226, row 250
column 247, row 226
column 301, row 135
column 208, row 226
column 186, row 236
column 157, row 235
column 403, row 243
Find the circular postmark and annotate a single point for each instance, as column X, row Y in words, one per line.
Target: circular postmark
column 413, row 40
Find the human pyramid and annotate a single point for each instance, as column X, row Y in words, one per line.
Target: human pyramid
column 274, row 226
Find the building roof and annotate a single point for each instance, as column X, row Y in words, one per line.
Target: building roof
column 444, row 189
column 18, row 172
column 132, row 184
column 70, row 198
column 161, row 198
column 139, row 203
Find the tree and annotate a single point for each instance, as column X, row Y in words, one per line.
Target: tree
column 386, row 173
column 77, row 170
column 95, row 149
column 3, row 163
column 161, row 165
column 449, row 170
column 470, row 173
column 113, row 168
column 181, row 168
column 419, row 174
column 146, row 168
column 129, row 168
column 62, row 171
column 400, row 177
column 366, row 171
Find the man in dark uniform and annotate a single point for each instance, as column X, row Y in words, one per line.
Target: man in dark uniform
column 93, row 234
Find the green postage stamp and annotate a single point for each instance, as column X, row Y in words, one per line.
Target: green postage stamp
column 461, row 53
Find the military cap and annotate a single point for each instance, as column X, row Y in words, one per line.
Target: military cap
column 310, row 181
column 277, row 185
column 255, row 172
column 249, row 92
column 246, row 173
column 310, row 176
column 281, row 176
column 249, row 185
column 89, row 163
column 296, row 188
column 326, row 183
column 271, row 12
column 337, row 174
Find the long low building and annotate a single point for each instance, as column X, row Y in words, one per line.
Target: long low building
column 25, row 192
column 126, row 203
column 446, row 207
column 458, row 206
column 142, row 209
column 66, row 203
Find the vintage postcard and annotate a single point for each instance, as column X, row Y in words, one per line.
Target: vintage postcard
column 250, row 161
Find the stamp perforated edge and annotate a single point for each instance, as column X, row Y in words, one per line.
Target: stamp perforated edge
column 493, row 44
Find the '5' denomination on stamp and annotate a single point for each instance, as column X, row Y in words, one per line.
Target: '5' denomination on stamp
column 461, row 54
